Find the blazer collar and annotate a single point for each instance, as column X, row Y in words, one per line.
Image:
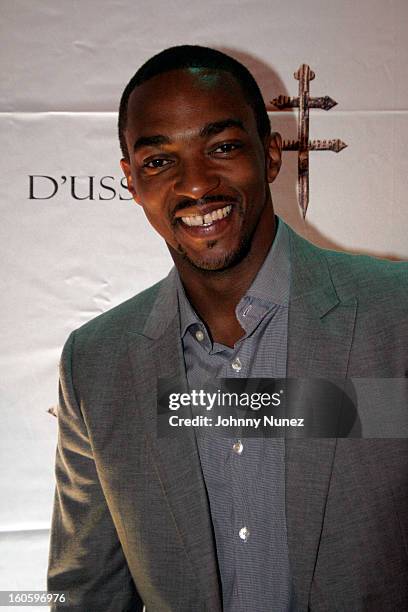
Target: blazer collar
column 311, row 279
column 163, row 309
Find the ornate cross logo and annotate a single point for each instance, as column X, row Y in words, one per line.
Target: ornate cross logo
column 303, row 145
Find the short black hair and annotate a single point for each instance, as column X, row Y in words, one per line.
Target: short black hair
column 195, row 56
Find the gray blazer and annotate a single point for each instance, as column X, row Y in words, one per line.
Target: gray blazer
column 131, row 519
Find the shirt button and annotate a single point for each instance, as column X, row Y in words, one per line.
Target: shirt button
column 238, row 447
column 199, row 335
column 236, row 364
column 244, row 533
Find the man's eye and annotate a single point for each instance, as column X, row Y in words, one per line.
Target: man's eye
column 158, row 162
column 227, row 147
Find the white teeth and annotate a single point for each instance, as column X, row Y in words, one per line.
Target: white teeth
column 207, row 219
column 193, row 220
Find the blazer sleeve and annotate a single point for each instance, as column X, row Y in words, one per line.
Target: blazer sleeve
column 86, row 561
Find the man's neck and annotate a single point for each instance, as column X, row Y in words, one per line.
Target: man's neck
column 215, row 296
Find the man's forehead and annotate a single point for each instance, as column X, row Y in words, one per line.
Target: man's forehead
column 177, row 93
column 188, row 78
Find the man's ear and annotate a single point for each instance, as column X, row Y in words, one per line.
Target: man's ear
column 125, row 165
column 273, row 156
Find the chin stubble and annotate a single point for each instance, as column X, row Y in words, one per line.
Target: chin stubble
column 229, row 260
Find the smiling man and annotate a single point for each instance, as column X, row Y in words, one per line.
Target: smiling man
column 200, row 171
column 199, row 522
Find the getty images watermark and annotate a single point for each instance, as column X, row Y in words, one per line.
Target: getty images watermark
column 222, row 400
column 299, row 408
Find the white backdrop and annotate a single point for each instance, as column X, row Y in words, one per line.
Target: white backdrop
column 64, row 65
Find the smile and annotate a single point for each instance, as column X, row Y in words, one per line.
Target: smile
column 209, row 218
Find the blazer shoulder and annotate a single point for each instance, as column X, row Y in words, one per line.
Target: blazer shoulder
column 112, row 324
column 358, row 275
column 368, row 277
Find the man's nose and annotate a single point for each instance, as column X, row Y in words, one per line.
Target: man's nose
column 195, row 180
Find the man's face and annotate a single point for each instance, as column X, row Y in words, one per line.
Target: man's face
column 198, row 167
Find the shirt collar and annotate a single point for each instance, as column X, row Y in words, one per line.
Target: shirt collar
column 271, row 284
column 188, row 316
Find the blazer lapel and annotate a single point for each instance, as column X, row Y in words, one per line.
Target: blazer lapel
column 319, row 341
column 156, row 352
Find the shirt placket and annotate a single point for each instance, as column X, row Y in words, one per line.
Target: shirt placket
column 237, row 366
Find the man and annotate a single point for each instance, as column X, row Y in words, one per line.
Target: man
column 197, row 522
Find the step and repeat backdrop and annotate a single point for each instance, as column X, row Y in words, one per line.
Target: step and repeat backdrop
column 72, row 242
